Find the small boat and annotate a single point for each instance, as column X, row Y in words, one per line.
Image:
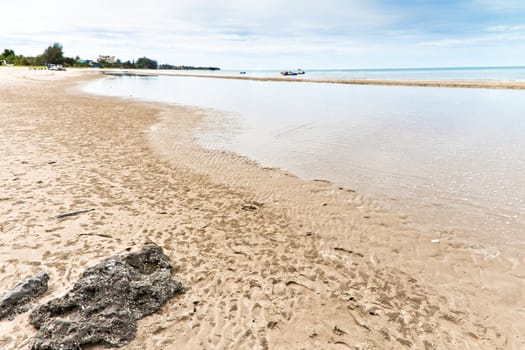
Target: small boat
column 292, row 73
column 242, row 72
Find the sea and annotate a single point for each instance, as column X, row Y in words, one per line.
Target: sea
column 452, row 159
column 440, row 74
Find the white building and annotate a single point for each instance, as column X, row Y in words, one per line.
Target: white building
column 106, row 59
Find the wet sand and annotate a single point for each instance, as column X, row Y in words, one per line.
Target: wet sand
column 268, row 260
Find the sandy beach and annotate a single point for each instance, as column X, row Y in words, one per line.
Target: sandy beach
column 269, row 261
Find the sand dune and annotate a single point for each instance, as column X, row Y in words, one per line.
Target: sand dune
column 269, row 261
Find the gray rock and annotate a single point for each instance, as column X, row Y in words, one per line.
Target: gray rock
column 17, row 299
column 105, row 303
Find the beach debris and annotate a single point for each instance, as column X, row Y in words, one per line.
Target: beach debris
column 313, row 334
column 105, row 303
column 272, row 324
column 339, row 331
column 341, row 249
column 322, row 180
column 16, row 300
column 435, row 241
column 73, row 213
column 95, row 234
column 251, row 206
column 292, row 282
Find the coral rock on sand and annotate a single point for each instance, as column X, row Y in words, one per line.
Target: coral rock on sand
column 15, row 300
column 104, row 304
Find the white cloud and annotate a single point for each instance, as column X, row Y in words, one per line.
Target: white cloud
column 168, row 29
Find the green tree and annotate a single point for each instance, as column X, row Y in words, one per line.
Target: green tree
column 8, row 53
column 69, row 61
column 25, row 61
column 53, row 54
column 39, row 61
column 145, row 62
column 127, row 64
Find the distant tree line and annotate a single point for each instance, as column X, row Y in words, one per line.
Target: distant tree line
column 169, row 66
column 54, row 55
column 141, row 63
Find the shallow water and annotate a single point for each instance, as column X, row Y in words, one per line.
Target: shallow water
column 449, row 158
column 443, row 74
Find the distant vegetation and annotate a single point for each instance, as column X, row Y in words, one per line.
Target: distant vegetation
column 54, row 55
column 169, row 66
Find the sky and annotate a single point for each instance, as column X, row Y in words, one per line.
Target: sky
column 274, row 34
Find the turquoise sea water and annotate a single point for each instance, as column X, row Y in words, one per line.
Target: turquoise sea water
column 452, row 158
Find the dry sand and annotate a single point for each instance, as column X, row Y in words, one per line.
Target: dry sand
column 269, row 261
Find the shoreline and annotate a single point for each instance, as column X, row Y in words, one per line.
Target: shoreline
column 293, row 261
column 512, row 85
column 414, row 194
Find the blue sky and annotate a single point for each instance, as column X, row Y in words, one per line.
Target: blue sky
column 275, row 34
